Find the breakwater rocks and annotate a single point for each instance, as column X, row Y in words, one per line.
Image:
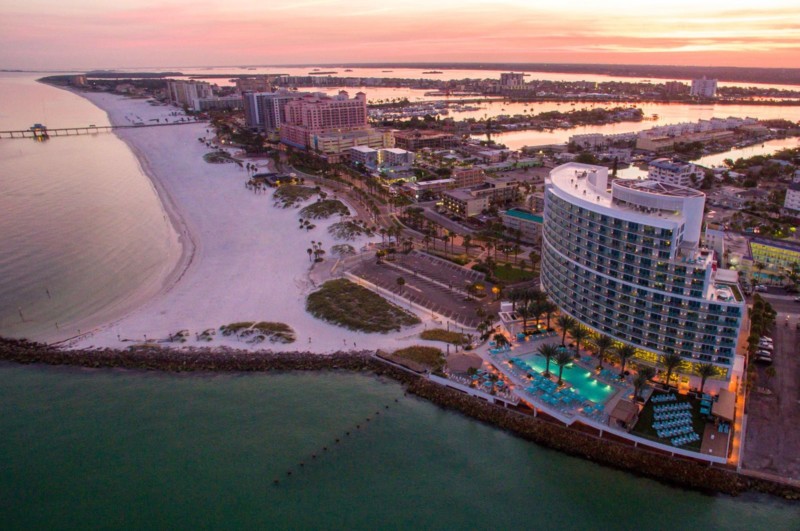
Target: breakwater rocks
column 677, row 471
column 682, row 472
column 219, row 359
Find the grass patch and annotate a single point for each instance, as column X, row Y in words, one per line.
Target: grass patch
column 347, row 230
column 218, row 157
column 439, row 334
column 354, row 307
column 276, row 332
column 235, row 328
column 257, row 332
column 292, row 194
column 459, row 259
column 419, row 358
column 510, row 274
column 644, row 426
column 324, row 209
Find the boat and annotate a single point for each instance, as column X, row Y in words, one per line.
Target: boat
column 433, row 72
column 387, row 70
column 348, row 70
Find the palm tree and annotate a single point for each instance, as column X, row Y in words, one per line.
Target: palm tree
column 524, row 312
column 562, row 358
column 624, row 353
column 549, row 309
column 565, row 323
column 500, row 340
column 467, row 241
column 549, row 352
column 706, row 371
column 643, row 374
column 671, row 362
column 602, row 343
column 578, row 333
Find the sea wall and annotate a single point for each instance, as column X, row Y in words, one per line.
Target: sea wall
column 677, row 471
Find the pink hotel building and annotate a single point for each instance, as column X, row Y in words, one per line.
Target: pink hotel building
column 318, row 113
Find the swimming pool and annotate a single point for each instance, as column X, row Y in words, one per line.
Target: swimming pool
column 581, row 379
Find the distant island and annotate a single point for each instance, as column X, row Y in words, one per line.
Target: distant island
column 787, row 76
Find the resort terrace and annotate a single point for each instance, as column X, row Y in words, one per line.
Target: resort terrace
column 583, row 394
column 669, row 422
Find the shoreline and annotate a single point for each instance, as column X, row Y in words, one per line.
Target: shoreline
column 241, row 258
column 177, row 264
column 679, row 472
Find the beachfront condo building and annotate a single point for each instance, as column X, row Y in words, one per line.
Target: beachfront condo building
column 266, row 111
column 187, row 93
column 329, row 124
column 627, row 262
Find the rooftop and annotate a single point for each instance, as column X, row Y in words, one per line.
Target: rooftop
column 656, row 187
column 669, row 165
column 524, row 214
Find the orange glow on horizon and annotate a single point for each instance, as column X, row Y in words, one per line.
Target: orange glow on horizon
column 138, row 33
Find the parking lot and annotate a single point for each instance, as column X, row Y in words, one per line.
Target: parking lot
column 772, row 437
column 435, row 295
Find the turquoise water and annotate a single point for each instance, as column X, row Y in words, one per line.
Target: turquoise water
column 581, row 379
column 86, row 449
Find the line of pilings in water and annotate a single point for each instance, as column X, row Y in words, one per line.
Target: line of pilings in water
column 338, row 440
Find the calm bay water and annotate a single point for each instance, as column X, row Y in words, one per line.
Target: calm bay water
column 81, row 227
column 87, row 449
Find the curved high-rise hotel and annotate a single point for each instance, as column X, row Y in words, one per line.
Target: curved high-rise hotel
column 628, row 263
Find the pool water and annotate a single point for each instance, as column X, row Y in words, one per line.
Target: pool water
column 581, row 379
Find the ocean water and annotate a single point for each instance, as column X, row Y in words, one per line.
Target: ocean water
column 121, row 449
column 81, row 227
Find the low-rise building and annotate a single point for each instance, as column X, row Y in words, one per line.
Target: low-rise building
column 529, row 224
column 467, row 177
column 792, row 201
column 414, row 140
column 364, row 155
column 673, row 171
column 225, row 103
column 395, row 158
column 469, row 202
column 776, row 256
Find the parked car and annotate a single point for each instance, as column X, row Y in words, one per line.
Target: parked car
column 797, row 299
column 764, row 353
column 765, row 339
column 763, row 359
column 761, row 288
column 768, row 348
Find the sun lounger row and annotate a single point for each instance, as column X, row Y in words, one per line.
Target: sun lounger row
column 683, row 406
column 680, row 441
column 672, row 424
column 674, row 432
column 664, row 398
column 672, row 416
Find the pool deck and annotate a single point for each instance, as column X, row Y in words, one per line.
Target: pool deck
column 521, row 382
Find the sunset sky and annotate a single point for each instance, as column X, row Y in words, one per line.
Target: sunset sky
column 64, row 34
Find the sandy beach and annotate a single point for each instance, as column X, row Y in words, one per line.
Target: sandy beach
column 241, row 258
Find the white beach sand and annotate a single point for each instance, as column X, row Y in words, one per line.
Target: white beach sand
column 242, row 260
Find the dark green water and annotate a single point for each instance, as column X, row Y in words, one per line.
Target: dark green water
column 115, row 449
